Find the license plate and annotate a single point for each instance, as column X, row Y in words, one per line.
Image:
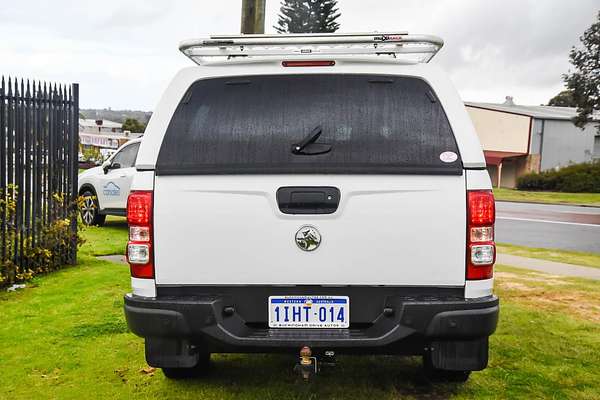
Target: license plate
column 309, row 312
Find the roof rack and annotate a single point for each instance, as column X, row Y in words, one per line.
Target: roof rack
column 419, row 48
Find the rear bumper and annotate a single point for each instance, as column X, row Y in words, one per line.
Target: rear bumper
column 402, row 325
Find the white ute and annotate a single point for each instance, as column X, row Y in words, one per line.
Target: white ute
column 323, row 192
column 105, row 188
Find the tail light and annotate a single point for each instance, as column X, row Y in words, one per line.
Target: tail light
column 139, row 246
column 309, row 63
column 481, row 249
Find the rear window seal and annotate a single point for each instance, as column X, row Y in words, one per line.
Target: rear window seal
column 343, row 170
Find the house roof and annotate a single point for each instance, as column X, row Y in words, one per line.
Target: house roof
column 496, row 157
column 90, row 122
column 540, row 112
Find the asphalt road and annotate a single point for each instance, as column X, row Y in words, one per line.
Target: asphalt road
column 548, row 226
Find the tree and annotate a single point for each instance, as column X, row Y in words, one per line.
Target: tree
column 563, row 99
column 585, row 81
column 133, row 125
column 308, row 16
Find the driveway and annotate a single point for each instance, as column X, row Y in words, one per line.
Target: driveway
column 548, row 226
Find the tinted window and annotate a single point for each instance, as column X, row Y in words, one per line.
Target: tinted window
column 374, row 124
column 126, row 157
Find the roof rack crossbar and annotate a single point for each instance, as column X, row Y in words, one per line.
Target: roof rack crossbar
column 421, row 48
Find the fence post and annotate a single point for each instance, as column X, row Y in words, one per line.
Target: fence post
column 74, row 147
column 3, row 157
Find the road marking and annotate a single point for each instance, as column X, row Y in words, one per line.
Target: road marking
column 548, row 222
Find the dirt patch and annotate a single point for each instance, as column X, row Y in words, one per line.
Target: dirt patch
column 580, row 304
column 531, row 277
column 517, row 286
column 498, row 274
column 523, row 289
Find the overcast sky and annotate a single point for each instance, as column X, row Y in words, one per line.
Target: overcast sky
column 124, row 52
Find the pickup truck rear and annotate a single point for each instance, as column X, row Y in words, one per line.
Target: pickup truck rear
column 321, row 205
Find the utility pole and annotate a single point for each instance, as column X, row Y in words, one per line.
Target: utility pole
column 253, row 16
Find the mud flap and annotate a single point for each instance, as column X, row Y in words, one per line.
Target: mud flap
column 458, row 355
column 170, row 353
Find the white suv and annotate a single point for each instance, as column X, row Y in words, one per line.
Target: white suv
column 105, row 188
column 315, row 192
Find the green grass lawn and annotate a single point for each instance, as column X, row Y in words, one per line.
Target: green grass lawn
column 547, row 197
column 65, row 337
column 563, row 256
column 105, row 240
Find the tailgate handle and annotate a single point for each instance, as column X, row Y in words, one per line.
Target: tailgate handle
column 308, row 199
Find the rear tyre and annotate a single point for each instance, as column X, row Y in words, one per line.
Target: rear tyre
column 90, row 210
column 442, row 375
column 196, row 371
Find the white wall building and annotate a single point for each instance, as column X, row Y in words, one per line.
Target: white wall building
column 88, row 125
column 520, row 139
column 103, row 134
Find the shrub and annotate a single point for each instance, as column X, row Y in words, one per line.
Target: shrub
column 532, row 182
column 576, row 178
column 92, row 154
column 45, row 254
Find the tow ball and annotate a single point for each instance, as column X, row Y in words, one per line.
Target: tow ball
column 308, row 364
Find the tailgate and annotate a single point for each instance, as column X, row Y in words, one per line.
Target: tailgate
column 404, row 230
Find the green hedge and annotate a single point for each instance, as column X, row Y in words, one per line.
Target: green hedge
column 576, row 178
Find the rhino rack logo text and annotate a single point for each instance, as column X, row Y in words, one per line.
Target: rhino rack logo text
column 111, row 189
column 388, row 38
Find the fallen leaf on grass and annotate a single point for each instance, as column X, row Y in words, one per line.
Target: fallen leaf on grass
column 121, row 374
column 54, row 374
column 148, row 371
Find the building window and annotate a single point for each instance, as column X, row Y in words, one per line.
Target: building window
column 596, row 152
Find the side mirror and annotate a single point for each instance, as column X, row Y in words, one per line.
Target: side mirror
column 108, row 166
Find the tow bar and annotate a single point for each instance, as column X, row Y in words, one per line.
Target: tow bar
column 308, row 364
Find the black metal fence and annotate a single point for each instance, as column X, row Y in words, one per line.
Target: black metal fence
column 38, row 177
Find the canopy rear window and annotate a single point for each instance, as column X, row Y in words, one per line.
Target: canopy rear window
column 369, row 124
